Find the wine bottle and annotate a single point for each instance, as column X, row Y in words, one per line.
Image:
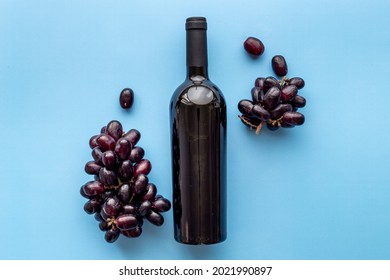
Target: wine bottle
column 198, row 147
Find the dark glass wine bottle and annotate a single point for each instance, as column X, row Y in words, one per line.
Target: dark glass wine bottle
column 198, row 129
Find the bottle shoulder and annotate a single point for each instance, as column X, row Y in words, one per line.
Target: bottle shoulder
column 196, row 90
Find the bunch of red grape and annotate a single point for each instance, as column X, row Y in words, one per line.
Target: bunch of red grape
column 275, row 102
column 121, row 195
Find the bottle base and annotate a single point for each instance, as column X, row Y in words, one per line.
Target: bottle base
column 199, row 241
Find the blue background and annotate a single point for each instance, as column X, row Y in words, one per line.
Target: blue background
column 319, row 191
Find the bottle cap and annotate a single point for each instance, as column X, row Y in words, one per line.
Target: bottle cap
column 196, row 23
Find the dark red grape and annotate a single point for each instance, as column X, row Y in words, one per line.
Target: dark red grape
column 155, row 218
column 272, row 126
column 112, row 235
column 150, row 192
column 260, row 113
column 93, row 141
column 92, row 206
column 285, row 125
column 279, row 65
column 124, row 193
column 104, row 225
column 129, row 209
column 109, row 160
column 125, row 171
column 132, row 136
column 126, row 98
column 254, row 46
column 111, row 207
column 259, row 82
column 257, row 95
column 136, row 154
column 298, row 101
column 97, row 155
column 132, row 233
column 114, row 129
column 245, row 106
column 280, row 110
column 272, row 98
column 108, row 177
column 144, row 207
column 139, row 184
column 106, row 142
column 270, row 82
column 122, row 148
column 293, row 118
column 93, row 188
column 289, row 92
column 91, row 167
column 142, row 167
column 126, row 221
column 161, row 204
column 296, row 81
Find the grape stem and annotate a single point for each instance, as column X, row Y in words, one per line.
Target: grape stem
column 251, row 125
column 283, row 81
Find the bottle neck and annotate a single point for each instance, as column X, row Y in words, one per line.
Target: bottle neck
column 197, row 53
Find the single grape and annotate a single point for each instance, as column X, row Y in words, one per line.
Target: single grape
column 272, row 98
column 108, row 177
column 279, row 65
column 296, row 81
column 112, row 235
column 129, row 209
column 272, row 126
column 109, row 160
column 103, row 130
column 270, row 82
column 104, row 226
column 144, row 207
column 245, row 106
column 142, row 167
column 93, row 141
column 257, row 95
column 132, row 233
column 98, row 217
column 260, row 113
column 161, row 205
column 114, row 129
column 97, row 155
column 139, row 184
column 125, row 170
column 293, row 118
column 254, row 46
column 124, row 193
column 155, row 218
column 136, row 154
column 285, row 125
column 126, row 98
column 106, row 142
column 132, row 136
column 280, row 110
column 111, row 207
column 93, row 188
column 288, row 93
column 122, row 148
column 298, row 101
column 92, row 206
column 259, row 82
column 91, row 167
column 126, row 221
column 150, row 192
